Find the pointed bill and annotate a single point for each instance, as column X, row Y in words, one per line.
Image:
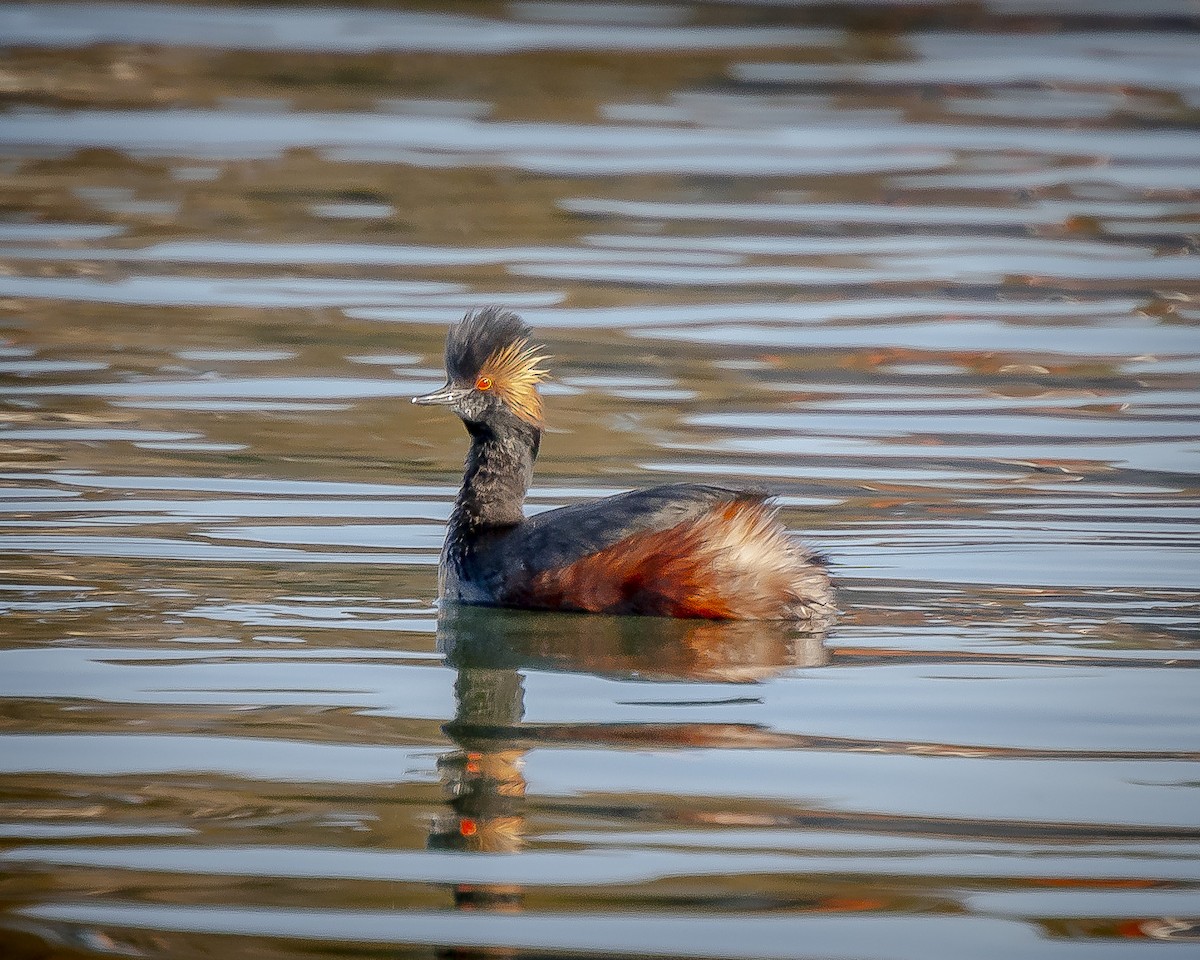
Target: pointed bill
column 445, row 396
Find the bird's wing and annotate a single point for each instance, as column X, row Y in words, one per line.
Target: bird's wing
column 558, row 538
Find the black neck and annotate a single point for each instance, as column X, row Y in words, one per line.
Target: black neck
column 498, row 472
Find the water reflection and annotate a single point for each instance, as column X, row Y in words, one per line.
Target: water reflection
column 490, row 649
column 645, row 648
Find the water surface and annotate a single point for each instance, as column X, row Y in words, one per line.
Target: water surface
column 928, row 273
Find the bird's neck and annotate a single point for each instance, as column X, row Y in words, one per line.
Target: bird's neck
column 498, row 473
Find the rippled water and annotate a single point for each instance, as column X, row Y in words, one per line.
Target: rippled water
column 928, row 273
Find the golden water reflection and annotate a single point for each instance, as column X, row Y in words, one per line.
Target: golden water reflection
column 490, row 648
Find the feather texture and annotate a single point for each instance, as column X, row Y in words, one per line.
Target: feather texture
column 733, row 562
column 515, row 371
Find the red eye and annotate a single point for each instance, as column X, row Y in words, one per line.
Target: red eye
column 483, row 383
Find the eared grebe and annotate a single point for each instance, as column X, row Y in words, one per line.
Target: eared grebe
column 677, row 550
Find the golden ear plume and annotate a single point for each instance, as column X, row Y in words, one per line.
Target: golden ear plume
column 515, row 372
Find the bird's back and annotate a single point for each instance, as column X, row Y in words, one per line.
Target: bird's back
column 679, row 550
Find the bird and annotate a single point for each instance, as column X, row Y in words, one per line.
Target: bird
column 682, row 550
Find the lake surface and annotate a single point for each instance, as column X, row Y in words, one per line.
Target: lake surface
column 928, row 273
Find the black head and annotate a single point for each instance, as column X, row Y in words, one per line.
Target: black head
column 492, row 370
column 479, row 335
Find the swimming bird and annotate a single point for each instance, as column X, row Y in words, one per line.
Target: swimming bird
column 675, row 550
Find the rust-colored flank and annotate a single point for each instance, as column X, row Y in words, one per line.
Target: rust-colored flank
column 732, row 563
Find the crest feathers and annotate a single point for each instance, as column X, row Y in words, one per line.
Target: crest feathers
column 495, row 344
column 477, row 336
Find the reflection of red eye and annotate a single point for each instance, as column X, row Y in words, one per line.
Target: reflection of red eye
column 483, row 383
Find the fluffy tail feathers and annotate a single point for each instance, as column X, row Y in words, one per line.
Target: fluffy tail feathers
column 734, row 562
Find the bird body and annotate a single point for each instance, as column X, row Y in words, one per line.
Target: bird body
column 676, row 550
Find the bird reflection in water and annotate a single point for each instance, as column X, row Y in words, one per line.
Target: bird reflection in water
column 489, row 648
